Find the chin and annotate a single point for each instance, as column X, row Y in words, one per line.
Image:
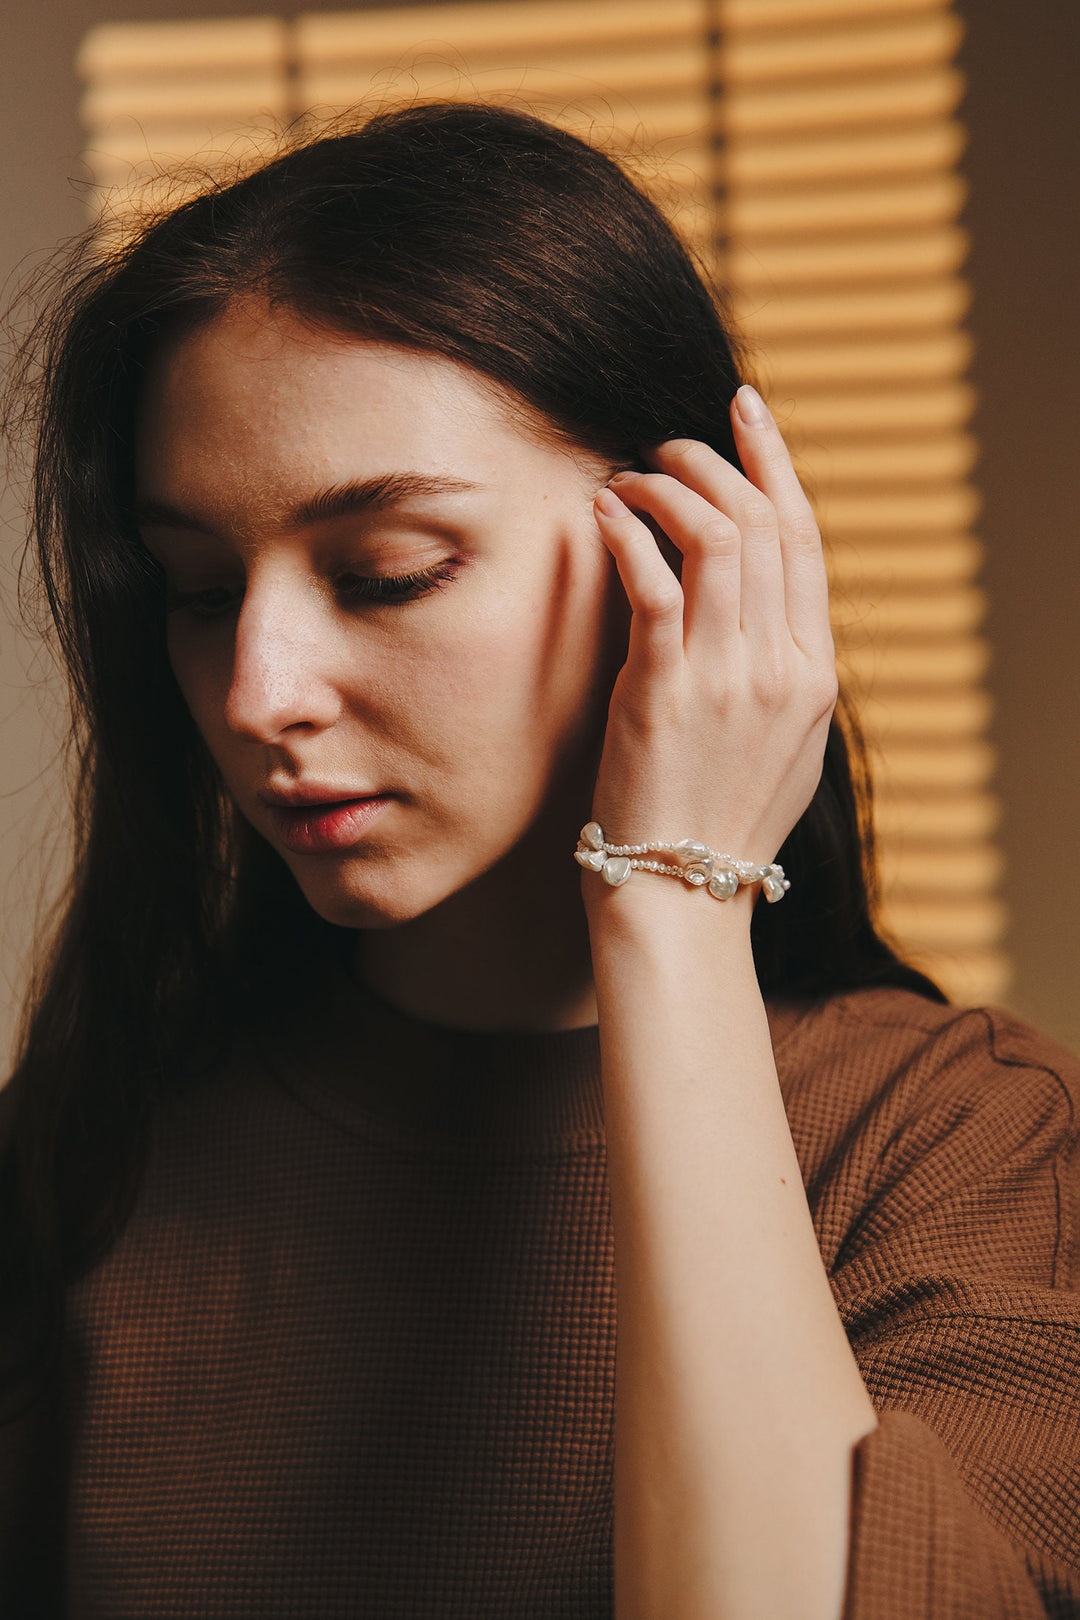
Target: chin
column 368, row 904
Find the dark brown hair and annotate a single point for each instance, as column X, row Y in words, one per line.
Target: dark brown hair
column 476, row 233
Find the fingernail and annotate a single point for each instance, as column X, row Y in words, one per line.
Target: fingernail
column 609, row 503
column 751, row 407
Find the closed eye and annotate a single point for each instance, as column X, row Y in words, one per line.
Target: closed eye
column 390, row 589
column 208, row 604
column 394, row 588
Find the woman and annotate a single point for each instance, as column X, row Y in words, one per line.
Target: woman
column 402, row 516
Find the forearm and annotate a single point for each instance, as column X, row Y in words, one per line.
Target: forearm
column 738, row 1400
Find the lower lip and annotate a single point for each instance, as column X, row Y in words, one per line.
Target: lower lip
column 319, row 827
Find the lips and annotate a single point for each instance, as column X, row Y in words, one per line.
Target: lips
column 310, row 826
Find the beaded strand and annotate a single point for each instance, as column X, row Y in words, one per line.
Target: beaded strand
column 698, row 865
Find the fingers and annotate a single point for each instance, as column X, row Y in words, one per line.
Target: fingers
column 795, row 536
column 722, row 486
column 711, row 546
column 654, row 594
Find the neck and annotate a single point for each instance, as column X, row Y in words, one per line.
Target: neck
column 508, row 952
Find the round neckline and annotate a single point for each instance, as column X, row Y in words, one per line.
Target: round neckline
column 371, row 1068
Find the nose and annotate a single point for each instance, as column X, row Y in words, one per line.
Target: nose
column 281, row 676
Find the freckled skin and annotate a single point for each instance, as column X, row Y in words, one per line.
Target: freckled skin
column 481, row 703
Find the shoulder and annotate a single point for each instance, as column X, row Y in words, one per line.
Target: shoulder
column 920, row 1112
column 891, row 1048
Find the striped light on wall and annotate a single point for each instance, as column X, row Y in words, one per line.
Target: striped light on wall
column 840, row 209
column 806, row 149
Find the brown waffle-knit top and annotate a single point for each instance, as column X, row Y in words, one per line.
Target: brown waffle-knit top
column 353, row 1354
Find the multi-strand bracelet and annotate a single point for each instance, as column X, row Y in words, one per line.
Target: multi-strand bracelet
column 697, row 865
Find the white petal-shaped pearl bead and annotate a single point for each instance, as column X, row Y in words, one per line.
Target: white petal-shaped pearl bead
column 616, row 870
column 723, row 885
column 698, row 872
column 773, row 888
column 592, row 835
column 592, row 858
column 689, row 849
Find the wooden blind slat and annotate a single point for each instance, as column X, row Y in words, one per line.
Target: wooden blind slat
column 179, row 106
column 936, row 715
column 953, row 506
column 126, row 52
column 897, row 667
column 932, row 145
column 830, row 52
column 921, row 201
column 799, row 365
column 918, row 252
column 756, row 15
column 970, row 870
column 902, row 410
column 900, row 461
column 648, row 74
column 511, row 29
column 953, row 764
column 890, row 564
column 938, row 819
column 933, row 93
column 917, row 304
column 955, row 923
column 935, row 610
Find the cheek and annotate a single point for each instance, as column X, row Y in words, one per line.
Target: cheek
column 521, row 672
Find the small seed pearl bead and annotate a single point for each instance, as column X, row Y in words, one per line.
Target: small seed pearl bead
column 656, row 866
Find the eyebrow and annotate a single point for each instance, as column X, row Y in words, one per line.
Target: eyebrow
column 375, row 494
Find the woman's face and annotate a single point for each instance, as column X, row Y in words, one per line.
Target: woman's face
column 281, row 470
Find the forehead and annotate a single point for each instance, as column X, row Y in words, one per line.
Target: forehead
column 257, row 403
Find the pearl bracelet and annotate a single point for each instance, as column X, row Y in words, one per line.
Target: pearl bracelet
column 698, row 865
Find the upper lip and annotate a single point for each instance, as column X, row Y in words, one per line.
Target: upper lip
column 309, row 793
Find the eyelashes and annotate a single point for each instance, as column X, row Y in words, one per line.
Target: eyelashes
column 387, row 589
column 212, row 604
column 396, row 588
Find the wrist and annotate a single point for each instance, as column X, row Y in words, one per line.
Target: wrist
column 652, row 905
column 649, row 882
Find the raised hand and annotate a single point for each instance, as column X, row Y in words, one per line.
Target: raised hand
column 717, row 722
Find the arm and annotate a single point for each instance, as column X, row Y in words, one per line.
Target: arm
column 738, row 1399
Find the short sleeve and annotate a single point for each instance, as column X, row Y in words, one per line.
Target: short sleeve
column 945, row 1206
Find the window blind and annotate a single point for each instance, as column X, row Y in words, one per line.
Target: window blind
column 807, row 150
column 177, row 96
column 840, row 204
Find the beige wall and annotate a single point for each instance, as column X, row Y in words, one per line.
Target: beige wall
column 1023, row 164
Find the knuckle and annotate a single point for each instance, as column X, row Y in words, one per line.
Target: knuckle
column 721, row 692
column 803, row 530
column 665, row 484
column 664, row 607
column 718, row 534
column 757, row 516
column 681, row 450
column 772, row 683
column 824, row 691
